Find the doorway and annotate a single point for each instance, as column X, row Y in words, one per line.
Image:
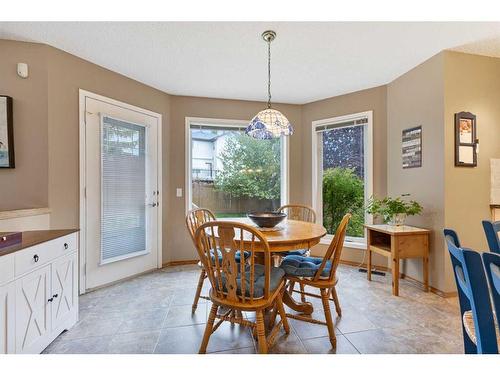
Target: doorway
column 120, row 182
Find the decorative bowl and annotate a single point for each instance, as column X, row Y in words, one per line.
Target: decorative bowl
column 266, row 219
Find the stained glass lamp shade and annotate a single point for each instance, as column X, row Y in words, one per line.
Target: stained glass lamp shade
column 269, row 123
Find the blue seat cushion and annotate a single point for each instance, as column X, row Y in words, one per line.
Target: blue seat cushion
column 259, row 280
column 301, row 252
column 300, row 266
column 246, row 254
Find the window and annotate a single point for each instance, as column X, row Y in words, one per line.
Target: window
column 342, row 173
column 231, row 173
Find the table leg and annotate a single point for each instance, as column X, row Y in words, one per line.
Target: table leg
column 369, row 262
column 426, row 273
column 302, row 307
column 395, row 275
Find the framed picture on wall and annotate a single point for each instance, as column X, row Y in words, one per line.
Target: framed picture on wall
column 465, row 140
column 6, row 133
column 411, row 147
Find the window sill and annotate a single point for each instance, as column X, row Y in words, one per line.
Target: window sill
column 349, row 244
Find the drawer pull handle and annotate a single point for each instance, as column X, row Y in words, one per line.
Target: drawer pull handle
column 50, row 299
column 36, row 258
column 65, row 246
column 55, row 295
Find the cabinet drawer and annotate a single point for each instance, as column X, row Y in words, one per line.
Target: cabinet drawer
column 35, row 256
column 6, row 268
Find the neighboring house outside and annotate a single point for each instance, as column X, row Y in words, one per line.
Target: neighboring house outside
column 206, row 146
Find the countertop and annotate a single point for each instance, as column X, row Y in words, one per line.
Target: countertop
column 35, row 237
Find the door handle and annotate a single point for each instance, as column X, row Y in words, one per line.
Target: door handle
column 152, row 204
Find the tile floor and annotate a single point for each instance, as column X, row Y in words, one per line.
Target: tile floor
column 152, row 314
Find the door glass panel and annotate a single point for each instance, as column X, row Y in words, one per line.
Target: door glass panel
column 123, row 189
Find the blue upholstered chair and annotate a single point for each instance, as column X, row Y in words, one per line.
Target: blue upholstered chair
column 492, row 229
column 451, row 235
column 477, row 317
column 492, row 266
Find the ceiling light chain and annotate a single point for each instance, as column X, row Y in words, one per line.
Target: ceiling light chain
column 269, row 73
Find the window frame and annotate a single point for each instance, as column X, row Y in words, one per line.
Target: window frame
column 189, row 121
column 317, row 199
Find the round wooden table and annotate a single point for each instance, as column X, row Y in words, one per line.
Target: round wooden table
column 294, row 235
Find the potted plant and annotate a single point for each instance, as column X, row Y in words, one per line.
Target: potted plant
column 393, row 210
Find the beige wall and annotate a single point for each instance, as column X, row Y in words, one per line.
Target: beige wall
column 46, row 124
column 472, row 84
column 417, row 98
column 373, row 99
column 26, row 186
column 66, row 75
column 179, row 244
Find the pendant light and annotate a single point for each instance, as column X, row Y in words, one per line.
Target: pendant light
column 269, row 123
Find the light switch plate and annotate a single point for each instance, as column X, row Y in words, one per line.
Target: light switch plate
column 178, row 192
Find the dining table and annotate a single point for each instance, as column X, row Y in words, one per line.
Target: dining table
column 287, row 236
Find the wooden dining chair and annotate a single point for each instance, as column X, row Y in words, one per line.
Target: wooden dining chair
column 319, row 273
column 240, row 286
column 194, row 219
column 478, row 326
column 297, row 212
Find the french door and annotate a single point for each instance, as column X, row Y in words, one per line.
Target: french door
column 121, row 193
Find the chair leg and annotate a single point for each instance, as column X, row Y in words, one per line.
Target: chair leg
column 208, row 329
column 328, row 316
column 281, row 310
column 272, row 316
column 290, row 287
column 302, row 295
column 261, row 333
column 203, row 275
column 336, row 301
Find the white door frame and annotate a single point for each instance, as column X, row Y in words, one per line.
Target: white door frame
column 83, row 94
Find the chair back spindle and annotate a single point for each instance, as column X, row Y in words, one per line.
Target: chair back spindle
column 195, row 218
column 334, row 250
column 299, row 212
column 233, row 281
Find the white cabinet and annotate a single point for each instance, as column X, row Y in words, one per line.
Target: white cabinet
column 33, row 311
column 7, row 308
column 64, row 292
column 40, row 300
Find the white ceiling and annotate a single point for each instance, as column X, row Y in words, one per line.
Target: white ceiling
column 310, row 60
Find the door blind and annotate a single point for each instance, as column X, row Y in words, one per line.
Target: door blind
column 123, row 189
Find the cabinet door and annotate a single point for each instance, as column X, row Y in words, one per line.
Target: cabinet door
column 33, row 311
column 64, row 291
column 7, row 318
